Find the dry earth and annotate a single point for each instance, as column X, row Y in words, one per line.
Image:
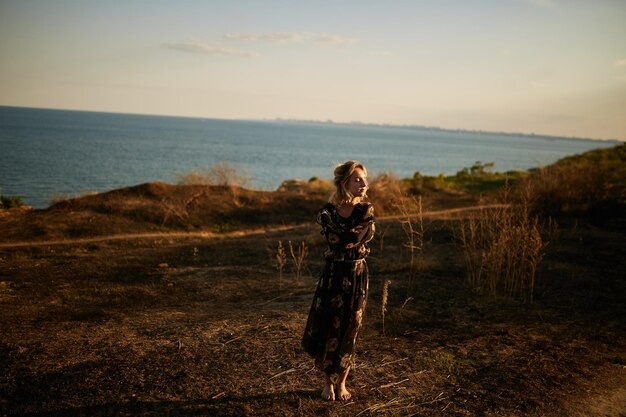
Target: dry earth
column 188, row 325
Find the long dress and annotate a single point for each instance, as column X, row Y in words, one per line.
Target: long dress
column 341, row 294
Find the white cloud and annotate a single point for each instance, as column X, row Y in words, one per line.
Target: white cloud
column 198, row 47
column 620, row 62
column 333, row 40
column 279, row 37
column 291, row 37
column 543, row 3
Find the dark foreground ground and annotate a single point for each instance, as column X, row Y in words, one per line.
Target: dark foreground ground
column 193, row 326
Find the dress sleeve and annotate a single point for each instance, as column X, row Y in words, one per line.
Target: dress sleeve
column 361, row 232
column 366, row 226
column 336, row 236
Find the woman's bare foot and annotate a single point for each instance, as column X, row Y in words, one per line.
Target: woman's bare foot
column 328, row 393
column 342, row 393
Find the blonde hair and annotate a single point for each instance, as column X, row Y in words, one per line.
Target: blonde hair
column 342, row 175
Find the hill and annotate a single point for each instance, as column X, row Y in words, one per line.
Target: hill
column 186, row 324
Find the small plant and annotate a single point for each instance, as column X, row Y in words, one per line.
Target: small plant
column 383, row 304
column 195, row 253
column 445, row 362
column 281, row 261
column 10, row 202
column 298, row 259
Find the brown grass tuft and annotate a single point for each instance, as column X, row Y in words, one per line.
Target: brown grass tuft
column 502, row 247
column 298, row 259
column 222, row 174
column 412, row 221
column 383, row 303
column 281, row 261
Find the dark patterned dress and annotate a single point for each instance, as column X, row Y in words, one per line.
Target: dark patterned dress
column 337, row 309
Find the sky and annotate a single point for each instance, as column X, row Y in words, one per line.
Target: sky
column 554, row 67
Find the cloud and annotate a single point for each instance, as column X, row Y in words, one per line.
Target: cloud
column 620, row 62
column 333, row 40
column 197, row 47
column 278, row 37
column 291, row 37
column 543, row 3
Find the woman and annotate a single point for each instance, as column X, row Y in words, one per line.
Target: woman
column 335, row 316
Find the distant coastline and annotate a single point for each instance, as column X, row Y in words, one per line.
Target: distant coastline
column 436, row 129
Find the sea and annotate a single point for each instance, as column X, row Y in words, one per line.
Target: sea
column 47, row 153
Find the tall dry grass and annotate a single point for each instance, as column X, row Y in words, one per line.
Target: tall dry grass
column 503, row 247
column 298, row 257
column 222, row 173
column 386, row 190
column 383, row 303
column 281, row 261
column 412, row 222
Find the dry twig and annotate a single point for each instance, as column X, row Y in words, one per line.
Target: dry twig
column 298, row 259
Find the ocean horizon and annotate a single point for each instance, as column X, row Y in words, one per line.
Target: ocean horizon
column 50, row 152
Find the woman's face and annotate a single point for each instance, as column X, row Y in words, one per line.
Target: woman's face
column 357, row 183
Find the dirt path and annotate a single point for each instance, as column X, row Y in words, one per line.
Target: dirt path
column 439, row 214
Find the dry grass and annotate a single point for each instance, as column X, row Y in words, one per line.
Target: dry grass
column 222, row 174
column 590, row 184
column 298, row 257
column 281, row 261
column 383, row 303
column 386, row 191
column 412, row 221
column 503, row 247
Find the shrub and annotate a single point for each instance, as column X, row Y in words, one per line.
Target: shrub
column 589, row 183
column 7, row 202
column 386, row 191
column 437, row 183
column 222, row 174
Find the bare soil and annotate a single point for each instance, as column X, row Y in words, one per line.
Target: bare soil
column 195, row 324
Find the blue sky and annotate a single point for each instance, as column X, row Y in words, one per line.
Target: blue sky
column 544, row 66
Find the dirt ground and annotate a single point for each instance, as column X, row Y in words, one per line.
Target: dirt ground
column 190, row 325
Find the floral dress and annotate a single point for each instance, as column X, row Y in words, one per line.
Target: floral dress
column 339, row 301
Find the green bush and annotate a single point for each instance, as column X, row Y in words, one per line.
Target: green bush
column 474, row 180
column 10, row 202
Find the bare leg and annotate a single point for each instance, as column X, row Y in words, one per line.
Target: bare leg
column 342, row 393
column 328, row 393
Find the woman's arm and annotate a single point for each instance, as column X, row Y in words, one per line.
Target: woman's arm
column 365, row 230
column 362, row 233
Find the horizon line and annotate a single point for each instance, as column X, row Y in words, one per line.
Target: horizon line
column 331, row 122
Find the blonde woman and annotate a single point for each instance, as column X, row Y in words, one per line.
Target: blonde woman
column 337, row 309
